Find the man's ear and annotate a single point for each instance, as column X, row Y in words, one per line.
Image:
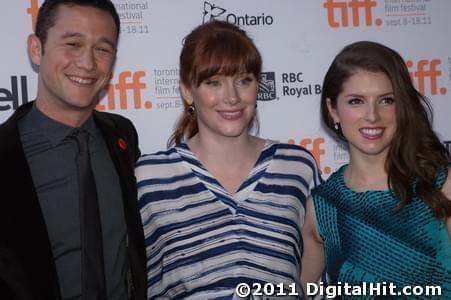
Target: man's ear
column 34, row 47
column 186, row 94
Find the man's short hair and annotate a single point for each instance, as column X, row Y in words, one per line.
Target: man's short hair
column 48, row 13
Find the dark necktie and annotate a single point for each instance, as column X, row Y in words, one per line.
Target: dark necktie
column 92, row 268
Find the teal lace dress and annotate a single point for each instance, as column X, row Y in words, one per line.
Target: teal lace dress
column 365, row 241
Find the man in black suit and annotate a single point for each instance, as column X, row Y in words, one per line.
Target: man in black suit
column 74, row 46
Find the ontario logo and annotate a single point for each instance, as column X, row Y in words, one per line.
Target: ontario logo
column 213, row 11
column 267, row 87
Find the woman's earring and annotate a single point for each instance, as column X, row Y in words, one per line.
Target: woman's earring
column 190, row 109
column 336, row 126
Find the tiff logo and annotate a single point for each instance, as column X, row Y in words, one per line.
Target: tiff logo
column 33, row 11
column 426, row 69
column 342, row 8
column 314, row 145
column 121, row 89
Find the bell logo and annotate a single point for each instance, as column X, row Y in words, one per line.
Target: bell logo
column 343, row 8
column 121, row 88
column 314, row 146
column 33, row 11
column 426, row 69
column 11, row 95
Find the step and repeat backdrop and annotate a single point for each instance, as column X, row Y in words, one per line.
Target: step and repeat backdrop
column 297, row 38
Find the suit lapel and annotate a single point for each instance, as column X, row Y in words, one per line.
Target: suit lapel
column 115, row 144
column 121, row 148
column 22, row 218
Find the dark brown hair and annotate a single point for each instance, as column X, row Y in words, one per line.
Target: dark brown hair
column 215, row 47
column 416, row 154
column 48, row 13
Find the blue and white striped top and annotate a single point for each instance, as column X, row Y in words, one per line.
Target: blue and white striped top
column 201, row 241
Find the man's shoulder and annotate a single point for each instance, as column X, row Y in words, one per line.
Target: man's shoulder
column 12, row 120
column 117, row 127
column 7, row 125
column 110, row 122
column 10, row 136
column 112, row 118
column 9, row 129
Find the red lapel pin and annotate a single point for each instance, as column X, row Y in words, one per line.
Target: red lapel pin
column 121, row 143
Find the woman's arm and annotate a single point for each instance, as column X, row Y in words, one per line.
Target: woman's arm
column 313, row 256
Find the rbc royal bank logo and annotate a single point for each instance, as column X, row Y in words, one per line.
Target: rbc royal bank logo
column 213, row 11
column 267, row 87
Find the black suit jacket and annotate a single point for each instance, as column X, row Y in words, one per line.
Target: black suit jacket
column 27, row 267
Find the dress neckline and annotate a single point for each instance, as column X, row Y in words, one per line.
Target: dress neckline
column 212, row 185
column 343, row 185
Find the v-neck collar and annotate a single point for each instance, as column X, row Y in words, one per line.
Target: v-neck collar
column 212, row 185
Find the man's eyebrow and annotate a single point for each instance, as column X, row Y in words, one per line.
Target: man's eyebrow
column 78, row 34
column 108, row 41
column 71, row 34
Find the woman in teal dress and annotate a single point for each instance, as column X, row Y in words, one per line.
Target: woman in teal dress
column 385, row 218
